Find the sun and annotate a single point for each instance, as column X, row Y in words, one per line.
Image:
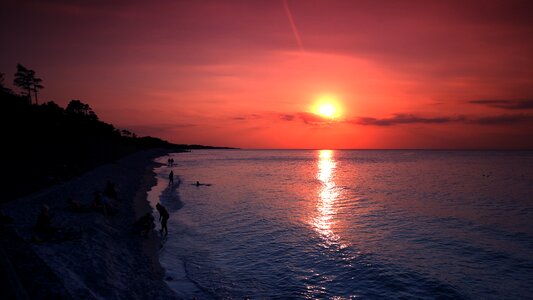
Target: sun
column 327, row 106
column 326, row 110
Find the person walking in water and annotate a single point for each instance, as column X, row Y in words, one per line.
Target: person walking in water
column 171, row 177
column 163, row 217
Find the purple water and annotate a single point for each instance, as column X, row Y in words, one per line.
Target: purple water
column 349, row 224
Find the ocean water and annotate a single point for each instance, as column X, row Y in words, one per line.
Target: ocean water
column 339, row 224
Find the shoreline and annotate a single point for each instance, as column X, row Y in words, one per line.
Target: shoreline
column 176, row 276
column 106, row 261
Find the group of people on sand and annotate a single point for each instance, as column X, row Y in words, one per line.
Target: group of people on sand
column 45, row 229
column 145, row 223
column 102, row 202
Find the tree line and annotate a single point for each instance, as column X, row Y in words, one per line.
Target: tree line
column 44, row 143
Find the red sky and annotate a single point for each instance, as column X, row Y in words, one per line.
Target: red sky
column 406, row 74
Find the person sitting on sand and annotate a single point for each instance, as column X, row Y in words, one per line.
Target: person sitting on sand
column 97, row 202
column 110, row 190
column 75, row 206
column 163, row 217
column 107, row 207
column 144, row 224
column 103, row 204
column 46, row 231
column 44, row 221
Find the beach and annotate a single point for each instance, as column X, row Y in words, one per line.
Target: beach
column 104, row 259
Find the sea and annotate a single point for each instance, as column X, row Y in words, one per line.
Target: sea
column 347, row 224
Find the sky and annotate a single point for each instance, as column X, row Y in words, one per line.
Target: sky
column 256, row 74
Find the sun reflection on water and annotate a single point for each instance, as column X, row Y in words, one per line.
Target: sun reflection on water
column 325, row 219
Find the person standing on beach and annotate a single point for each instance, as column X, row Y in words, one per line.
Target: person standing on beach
column 163, row 217
column 171, row 177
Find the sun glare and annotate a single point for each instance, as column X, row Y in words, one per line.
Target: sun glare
column 327, row 110
column 327, row 106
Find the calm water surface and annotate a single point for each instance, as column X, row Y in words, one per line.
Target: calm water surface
column 349, row 224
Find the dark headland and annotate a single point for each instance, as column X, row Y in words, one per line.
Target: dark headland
column 52, row 154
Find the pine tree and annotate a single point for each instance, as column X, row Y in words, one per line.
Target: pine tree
column 26, row 80
column 23, row 80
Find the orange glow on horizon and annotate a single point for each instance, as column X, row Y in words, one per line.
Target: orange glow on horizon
column 303, row 75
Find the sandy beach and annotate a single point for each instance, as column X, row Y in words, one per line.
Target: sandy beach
column 105, row 260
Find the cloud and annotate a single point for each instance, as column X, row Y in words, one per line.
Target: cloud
column 247, row 117
column 506, row 104
column 307, row 118
column 286, row 117
column 502, row 120
column 395, row 120
column 313, row 119
column 400, row 119
column 403, row 119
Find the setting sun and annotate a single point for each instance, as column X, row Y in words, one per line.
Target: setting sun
column 327, row 106
column 326, row 110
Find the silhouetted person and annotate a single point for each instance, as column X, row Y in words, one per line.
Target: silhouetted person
column 44, row 221
column 75, row 206
column 97, row 202
column 103, row 204
column 144, row 224
column 107, row 206
column 163, row 217
column 197, row 183
column 171, row 177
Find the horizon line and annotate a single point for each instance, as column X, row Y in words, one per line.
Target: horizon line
column 378, row 149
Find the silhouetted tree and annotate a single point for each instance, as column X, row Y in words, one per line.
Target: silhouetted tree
column 126, row 132
column 52, row 110
column 78, row 108
column 47, row 144
column 23, row 80
column 36, row 87
column 26, row 80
